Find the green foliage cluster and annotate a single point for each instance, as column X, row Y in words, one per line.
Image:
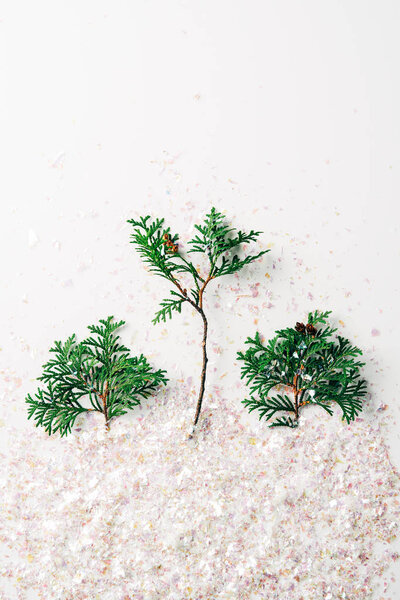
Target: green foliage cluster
column 301, row 365
column 214, row 238
column 315, row 367
column 219, row 242
column 99, row 369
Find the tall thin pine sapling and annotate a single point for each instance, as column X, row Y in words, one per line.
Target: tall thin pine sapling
column 99, row 369
column 161, row 251
column 307, row 363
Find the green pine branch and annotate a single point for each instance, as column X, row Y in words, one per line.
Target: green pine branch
column 215, row 240
column 98, row 370
column 164, row 256
column 168, row 306
column 51, row 413
column 267, row 407
column 148, row 236
column 309, row 361
column 162, row 253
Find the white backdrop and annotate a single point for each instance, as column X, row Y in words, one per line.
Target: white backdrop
column 283, row 114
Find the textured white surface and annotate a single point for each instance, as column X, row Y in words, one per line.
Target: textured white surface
column 283, row 114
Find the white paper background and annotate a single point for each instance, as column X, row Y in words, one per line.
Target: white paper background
column 283, row 114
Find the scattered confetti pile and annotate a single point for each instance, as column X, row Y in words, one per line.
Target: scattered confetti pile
column 238, row 512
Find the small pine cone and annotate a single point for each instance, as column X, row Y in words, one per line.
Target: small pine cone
column 166, row 236
column 300, row 327
column 311, row 329
column 174, row 248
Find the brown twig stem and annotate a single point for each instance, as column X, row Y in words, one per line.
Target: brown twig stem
column 199, row 307
column 103, row 398
column 296, row 392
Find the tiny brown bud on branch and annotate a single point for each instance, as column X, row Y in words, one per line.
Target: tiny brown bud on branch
column 311, row 329
column 300, row 327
